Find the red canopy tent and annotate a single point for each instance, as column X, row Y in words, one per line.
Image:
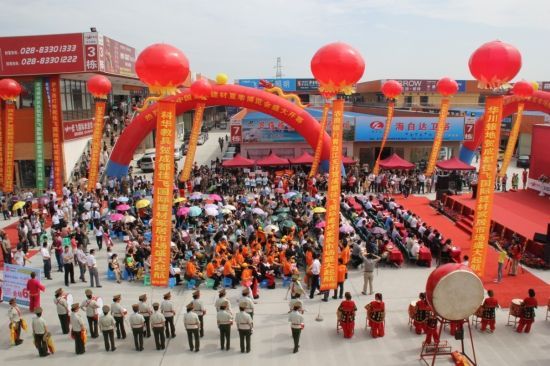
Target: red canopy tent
column 454, row 164
column 238, row 162
column 304, row 159
column 396, row 162
column 272, row 160
column 347, row 160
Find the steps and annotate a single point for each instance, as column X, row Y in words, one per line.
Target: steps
column 466, row 224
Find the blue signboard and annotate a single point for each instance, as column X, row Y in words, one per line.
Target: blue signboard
column 371, row 128
column 285, row 84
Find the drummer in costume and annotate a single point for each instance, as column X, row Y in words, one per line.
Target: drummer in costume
column 146, row 311
column 527, row 312
column 376, row 311
column 157, row 322
column 423, row 309
column 431, row 329
column 14, row 315
column 167, row 309
column 137, row 323
column 90, row 306
column 118, row 314
column 198, row 308
column 78, row 332
column 346, row 315
column 62, row 308
column 192, row 325
column 107, row 327
column 488, row 312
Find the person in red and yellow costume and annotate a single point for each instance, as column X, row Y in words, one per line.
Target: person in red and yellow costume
column 423, row 309
column 527, row 312
column 488, row 314
column 376, row 313
column 431, row 329
column 346, row 315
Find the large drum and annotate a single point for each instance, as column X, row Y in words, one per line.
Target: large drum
column 454, row 291
column 515, row 307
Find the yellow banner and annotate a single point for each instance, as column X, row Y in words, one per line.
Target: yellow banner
column 387, row 129
column 96, row 144
column 439, row 132
column 319, row 146
column 163, row 197
column 10, row 147
column 329, row 267
column 486, row 183
column 57, row 145
column 512, row 140
column 193, row 142
column 2, row 146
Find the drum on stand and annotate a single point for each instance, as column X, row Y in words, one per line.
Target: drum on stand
column 515, row 307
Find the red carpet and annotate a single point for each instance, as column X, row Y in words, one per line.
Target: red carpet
column 511, row 287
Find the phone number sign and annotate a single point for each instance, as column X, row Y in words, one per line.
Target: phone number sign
column 35, row 55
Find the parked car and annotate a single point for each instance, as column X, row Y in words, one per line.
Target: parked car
column 523, row 161
column 202, row 139
column 147, row 163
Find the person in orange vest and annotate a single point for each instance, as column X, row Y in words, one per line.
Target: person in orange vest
column 211, row 272
column 345, row 253
column 431, row 329
column 376, row 311
column 229, row 272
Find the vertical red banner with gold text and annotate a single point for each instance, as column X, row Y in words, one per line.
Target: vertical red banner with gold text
column 96, row 144
column 329, row 266
column 319, row 146
column 10, row 147
column 2, row 146
column 486, row 183
column 193, row 142
column 439, row 132
column 57, row 144
column 163, row 185
column 387, row 129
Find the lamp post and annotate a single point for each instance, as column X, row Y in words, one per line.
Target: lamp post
column 9, row 91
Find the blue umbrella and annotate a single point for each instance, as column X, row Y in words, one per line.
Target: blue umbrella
column 195, row 211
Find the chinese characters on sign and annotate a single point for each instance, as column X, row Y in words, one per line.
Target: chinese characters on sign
column 15, row 283
column 10, row 136
column 193, row 142
column 162, row 187
column 57, row 145
column 329, row 266
column 441, row 126
column 469, row 130
column 236, row 132
column 96, row 144
column 486, row 183
column 39, row 135
column 73, row 130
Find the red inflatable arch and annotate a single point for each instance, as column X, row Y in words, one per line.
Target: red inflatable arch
column 229, row 95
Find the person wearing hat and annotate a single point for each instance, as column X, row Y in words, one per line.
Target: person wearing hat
column 192, row 325
column 146, row 311
column 167, row 309
column 223, row 300
column 157, row 322
column 34, row 287
column 245, row 299
column 39, row 330
column 107, row 327
column 295, row 300
column 78, row 327
column 90, row 306
column 244, row 325
column 62, row 308
column 198, row 308
column 296, row 320
column 118, row 313
column 14, row 315
column 225, row 320
column 137, row 322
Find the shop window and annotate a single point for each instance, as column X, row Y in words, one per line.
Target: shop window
column 424, row 100
column 26, row 99
column 27, row 173
column 408, row 100
column 76, row 102
column 481, row 99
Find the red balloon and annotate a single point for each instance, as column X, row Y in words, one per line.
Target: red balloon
column 447, row 87
column 337, row 66
column 99, row 86
column 201, row 89
column 523, row 89
column 162, row 67
column 9, row 89
column 494, row 64
column 391, row 89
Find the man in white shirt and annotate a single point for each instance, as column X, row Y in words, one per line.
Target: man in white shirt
column 92, row 268
column 46, row 251
column 82, row 262
column 315, row 272
column 415, row 249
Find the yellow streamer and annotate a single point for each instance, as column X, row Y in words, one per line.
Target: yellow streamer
column 319, row 146
column 512, row 140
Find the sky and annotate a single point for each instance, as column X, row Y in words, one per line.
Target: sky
column 414, row 39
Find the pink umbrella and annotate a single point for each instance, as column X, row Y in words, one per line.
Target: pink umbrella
column 215, row 197
column 346, row 229
column 184, row 211
column 116, row 217
column 122, row 208
column 321, row 225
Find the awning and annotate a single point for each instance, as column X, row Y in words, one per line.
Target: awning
column 454, row 164
column 396, row 162
column 238, row 162
column 272, row 160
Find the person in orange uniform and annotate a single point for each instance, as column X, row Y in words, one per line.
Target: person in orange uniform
column 229, row 272
column 431, row 329
column 341, row 277
column 246, row 275
column 211, row 272
column 527, row 312
column 376, row 311
column 488, row 314
column 191, row 270
column 345, row 253
column 423, row 309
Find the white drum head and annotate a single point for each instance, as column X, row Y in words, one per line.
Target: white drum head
column 458, row 295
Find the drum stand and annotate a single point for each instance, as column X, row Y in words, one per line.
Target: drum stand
column 430, row 352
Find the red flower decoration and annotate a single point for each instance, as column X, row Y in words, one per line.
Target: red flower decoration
column 9, row 89
column 494, row 64
column 447, row 87
column 391, row 89
column 99, row 86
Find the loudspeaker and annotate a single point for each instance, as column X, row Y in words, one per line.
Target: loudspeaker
column 440, row 192
column 442, row 182
column 541, row 238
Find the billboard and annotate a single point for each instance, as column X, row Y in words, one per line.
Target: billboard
column 371, row 128
column 284, row 84
column 307, row 85
column 236, row 133
column 428, row 86
column 15, row 283
column 73, row 130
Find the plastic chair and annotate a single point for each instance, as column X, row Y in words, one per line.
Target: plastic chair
column 147, row 280
column 227, row 282
column 188, row 255
column 190, row 284
column 171, row 282
column 209, row 283
column 287, row 281
column 263, row 284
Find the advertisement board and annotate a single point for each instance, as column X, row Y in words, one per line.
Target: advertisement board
column 371, row 128
column 73, row 130
column 469, row 130
column 15, row 283
column 307, row 85
column 429, row 86
column 236, row 133
column 284, row 84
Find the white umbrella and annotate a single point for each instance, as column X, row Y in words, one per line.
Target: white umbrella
column 230, row 207
column 211, row 212
column 128, row 219
column 259, row 211
column 270, row 228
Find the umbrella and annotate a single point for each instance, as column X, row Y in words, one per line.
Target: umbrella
column 279, row 190
column 129, row 219
column 288, row 224
column 225, row 211
column 212, row 188
column 116, row 217
column 296, row 197
column 18, row 205
column 184, row 211
column 230, row 207
column 290, row 194
column 319, row 210
column 122, row 207
column 196, row 196
column 259, row 211
column 211, row 212
column 270, row 228
column 195, row 211
column 142, row 203
column 180, row 199
column 283, row 209
column 215, row 197
column 321, row 225
column 346, row 229
column 378, row 230
column 122, row 199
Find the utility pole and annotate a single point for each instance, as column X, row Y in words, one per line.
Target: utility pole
column 278, row 69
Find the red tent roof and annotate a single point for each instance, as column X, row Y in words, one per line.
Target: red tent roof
column 305, row 158
column 272, row 160
column 238, row 162
column 454, row 164
column 347, row 160
column 396, row 162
